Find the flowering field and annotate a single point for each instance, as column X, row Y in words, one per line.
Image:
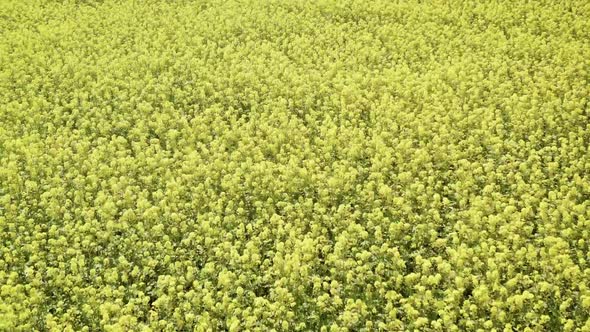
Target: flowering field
column 274, row 165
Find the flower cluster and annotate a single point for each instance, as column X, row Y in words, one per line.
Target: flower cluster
column 301, row 165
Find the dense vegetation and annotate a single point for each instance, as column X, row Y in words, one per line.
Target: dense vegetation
column 324, row 165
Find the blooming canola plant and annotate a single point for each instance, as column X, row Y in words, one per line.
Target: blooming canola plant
column 271, row 165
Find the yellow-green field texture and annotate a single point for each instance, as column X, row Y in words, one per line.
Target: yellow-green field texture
column 274, row 165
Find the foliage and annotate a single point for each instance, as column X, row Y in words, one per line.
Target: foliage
column 294, row 165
